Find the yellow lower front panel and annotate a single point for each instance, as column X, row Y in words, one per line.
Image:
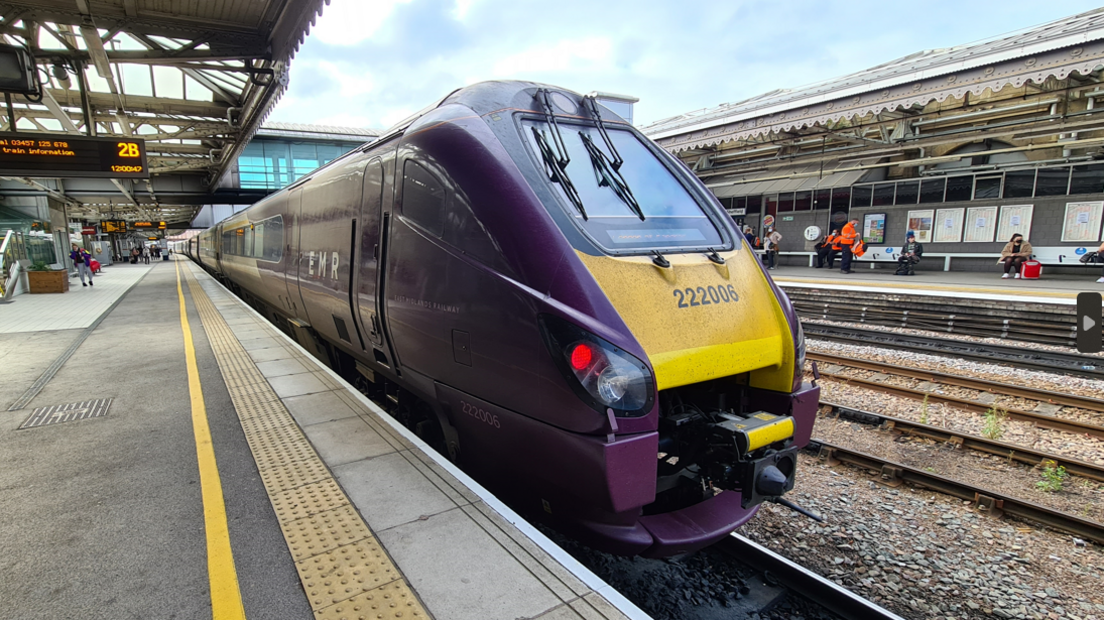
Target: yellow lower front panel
column 344, row 570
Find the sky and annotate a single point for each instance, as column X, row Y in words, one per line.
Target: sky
column 371, row 63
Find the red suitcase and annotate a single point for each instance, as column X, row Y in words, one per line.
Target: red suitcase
column 94, row 265
column 1031, row 270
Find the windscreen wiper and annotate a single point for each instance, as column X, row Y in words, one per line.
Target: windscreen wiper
column 557, row 171
column 609, row 176
column 556, row 160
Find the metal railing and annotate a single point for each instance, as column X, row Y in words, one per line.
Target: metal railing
column 12, row 249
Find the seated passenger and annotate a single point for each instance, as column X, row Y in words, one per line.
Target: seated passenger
column 828, row 249
column 1015, row 252
column 910, row 255
column 1100, row 258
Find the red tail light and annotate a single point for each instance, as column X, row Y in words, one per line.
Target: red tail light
column 581, row 356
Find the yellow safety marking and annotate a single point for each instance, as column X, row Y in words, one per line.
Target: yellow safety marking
column 226, row 602
column 700, row 341
column 344, row 570
column 688, row 366
column 930, row 287
column 765, row 435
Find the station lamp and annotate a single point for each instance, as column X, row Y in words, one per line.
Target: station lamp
column 17, row 71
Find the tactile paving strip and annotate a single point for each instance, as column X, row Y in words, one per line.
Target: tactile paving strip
column 394, row 600
column 345, row 572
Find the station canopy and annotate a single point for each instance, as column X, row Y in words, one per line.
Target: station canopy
column 977, row 107
column 193, row 79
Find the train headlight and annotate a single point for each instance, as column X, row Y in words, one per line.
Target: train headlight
column 603, row 375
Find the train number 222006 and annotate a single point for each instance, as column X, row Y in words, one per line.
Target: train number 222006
column 706, row 295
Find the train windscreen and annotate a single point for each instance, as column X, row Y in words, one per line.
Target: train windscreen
column 638, row 205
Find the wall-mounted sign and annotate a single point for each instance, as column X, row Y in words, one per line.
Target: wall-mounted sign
column 113, row 226
column 88, row 230
column 737, row 211
column 140, row 225
column 812, row 233
column 58, row 155
column 768, row 221
column 153, row 238
column 874, row 227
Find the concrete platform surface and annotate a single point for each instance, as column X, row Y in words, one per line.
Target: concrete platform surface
column 332, row 509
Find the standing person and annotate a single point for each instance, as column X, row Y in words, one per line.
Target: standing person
column 1015, row 252
column 749, row 235
column 145, row 254
column 848, row 237
column 771, row 245
column 910, row 255
column 83, row 261
column 827, row 249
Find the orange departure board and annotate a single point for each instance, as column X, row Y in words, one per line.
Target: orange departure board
column 62, row 155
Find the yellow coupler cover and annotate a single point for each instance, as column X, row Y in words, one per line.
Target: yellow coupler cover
column 690, row 333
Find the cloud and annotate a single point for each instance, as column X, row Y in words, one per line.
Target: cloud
column 377, row 61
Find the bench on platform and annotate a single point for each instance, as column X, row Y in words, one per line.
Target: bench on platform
column 1065, row 256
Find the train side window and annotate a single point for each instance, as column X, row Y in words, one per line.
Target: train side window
column 468, row 234
column 268, row 239
column 423, row 198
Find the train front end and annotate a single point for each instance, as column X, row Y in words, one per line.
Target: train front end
column 700, row 355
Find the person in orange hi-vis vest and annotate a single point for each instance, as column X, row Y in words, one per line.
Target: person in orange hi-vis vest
column 848, row 237
column 828, row 249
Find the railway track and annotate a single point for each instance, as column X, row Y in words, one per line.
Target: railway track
column 804, row 582
column 997, row 504
column 983, row 385
column 1041, row 420
column 958, row 439
column 1019, row 357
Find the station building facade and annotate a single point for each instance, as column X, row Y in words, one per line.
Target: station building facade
column 279, row 155
column 964, row 145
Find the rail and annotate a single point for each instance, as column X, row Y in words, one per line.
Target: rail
column 804, row 582
column 1038, row 419
column 983, row 385
column 995, row 503
column 970, row 442
column 1019, row 356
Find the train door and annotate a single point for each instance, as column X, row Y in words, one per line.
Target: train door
column 294, row 262
column 368, row 254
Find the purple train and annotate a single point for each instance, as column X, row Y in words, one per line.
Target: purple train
column 550, row 300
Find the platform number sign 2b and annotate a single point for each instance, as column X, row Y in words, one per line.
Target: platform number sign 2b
column 1088, row 322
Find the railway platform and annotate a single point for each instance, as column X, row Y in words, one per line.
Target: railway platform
column 165, row 452
column 1058, row 289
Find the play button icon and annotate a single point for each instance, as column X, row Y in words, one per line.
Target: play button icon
column 1088, row 322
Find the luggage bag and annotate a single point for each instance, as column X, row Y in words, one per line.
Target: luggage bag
column 1031, row 270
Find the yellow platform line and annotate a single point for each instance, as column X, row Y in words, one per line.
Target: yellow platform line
column 226, row 601
column 928, row 287
column 344, row 570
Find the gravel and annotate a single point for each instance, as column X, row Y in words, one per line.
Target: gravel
column 708, row 585
column 926, row 555
column 1079, row 496
column 1081, row 386
column 1082, row 447
column 951, row 336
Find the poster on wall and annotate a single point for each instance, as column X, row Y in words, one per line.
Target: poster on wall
column 1014, row 219
column 981, row 223
column 948, row 225
column 874, row 227
column 1082, row 221
column 920, row 222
